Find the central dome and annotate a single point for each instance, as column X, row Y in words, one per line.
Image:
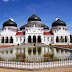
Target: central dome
column 34, row 18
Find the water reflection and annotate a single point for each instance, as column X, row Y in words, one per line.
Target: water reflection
column 21, row 52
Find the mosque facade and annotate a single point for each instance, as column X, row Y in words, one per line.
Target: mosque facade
column 34, row 32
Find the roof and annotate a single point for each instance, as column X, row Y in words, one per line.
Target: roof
column 20, row 33
column 48, row 33
column 9, row 23
column 58, row 23
column 34, row 18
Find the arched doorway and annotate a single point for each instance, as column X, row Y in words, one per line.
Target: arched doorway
column 57, row 39
column 62, row 40
column 2, row 40
column 66, row 38
column 11, row 40
column 6, row 40
column 39, row 39
column 34, row 39
column 29, row 39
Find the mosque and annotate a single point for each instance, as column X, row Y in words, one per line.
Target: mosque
column 34, row 32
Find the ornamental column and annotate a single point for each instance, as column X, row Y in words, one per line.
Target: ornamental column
column 54, row 39
column 64, row 39
column 8, row 39
column 26, row 40
column 60, row 41
column 4, row 39
column 68, row 39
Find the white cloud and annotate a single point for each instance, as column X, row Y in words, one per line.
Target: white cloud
column 8, row 0
column 5, row 0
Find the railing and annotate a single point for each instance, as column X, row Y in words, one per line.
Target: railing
column 35, row 63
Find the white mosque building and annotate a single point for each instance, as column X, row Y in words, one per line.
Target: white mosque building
column 34, row 32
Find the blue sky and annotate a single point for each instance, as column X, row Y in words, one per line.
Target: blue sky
column 47, row 10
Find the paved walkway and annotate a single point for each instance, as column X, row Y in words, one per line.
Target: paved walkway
column 60, row 69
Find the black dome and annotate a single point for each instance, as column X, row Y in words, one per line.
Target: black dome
column 34, row 18
column 58, row 23
column 46, row 27
column 9, row 23
column 23, row 27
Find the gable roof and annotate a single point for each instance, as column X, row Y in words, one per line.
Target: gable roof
column 48, row 33
column 20, row 33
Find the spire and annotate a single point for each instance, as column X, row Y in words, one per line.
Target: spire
column 34, row 12
column 11, row 18
column 57, row 18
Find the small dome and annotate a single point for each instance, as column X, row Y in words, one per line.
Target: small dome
column 58, row 22
column 34, row 18
column 23, row 27
column 46, row 27
column 10, row 22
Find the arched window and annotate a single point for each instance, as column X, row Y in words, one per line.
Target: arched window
column 11, row 39
column 29, row 39
column 66, row 38
column 39, row 39
column 2, row 40
column 6, row 40
column 34, row 39
column 57, row 39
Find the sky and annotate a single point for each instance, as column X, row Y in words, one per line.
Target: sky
column 47, row 10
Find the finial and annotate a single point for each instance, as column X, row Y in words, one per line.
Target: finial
column 10, row 17
column 34, row 12
column 58, row 17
